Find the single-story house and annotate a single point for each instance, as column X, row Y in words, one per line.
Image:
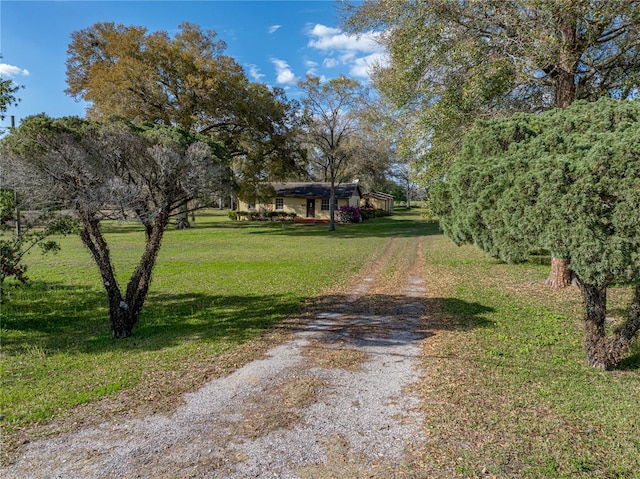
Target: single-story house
column 379, row 201
column 308, row 201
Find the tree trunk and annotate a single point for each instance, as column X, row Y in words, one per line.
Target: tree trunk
column 565, row 70
column 565, row 94
column 606, row 352
column 560, row 275
column 121, row 318
column 124, row 311
column 332, row 212
column 140, row 281
column 182, row 219
column 595, row 334
column 92, row 237
column 408, row 194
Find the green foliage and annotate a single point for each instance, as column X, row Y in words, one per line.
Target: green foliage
column 263, row 215
column 188, row 81
column 566, row 180
column 522, row 359
column 281, row 216
column 399, row 193
column 233, row 215
column 452, row 62
column 8, row 90
column 368, row 213
column 14, row 248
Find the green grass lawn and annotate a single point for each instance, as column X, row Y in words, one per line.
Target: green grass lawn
column 507, row 390
column 214, row 287
column 512, row 394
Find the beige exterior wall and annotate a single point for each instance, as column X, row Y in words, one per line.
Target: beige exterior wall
column 378, row 203
column 295, row 205
column 298, row 206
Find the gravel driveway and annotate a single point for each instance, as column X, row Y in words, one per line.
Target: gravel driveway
column 334, row 400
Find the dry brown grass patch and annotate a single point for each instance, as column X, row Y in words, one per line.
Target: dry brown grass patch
column 278, row 408
column 335, row 358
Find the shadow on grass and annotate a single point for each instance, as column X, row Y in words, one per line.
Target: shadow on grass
column 73, row 319
column 403, row 224
column 60, row 318
column 632, row 362
column 397, row 225
column 383, row 228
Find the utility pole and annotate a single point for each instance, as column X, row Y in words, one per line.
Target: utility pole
column 15, row 195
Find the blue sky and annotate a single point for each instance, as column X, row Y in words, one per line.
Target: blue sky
column 277, row 42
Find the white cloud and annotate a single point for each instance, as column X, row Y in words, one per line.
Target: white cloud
column 284, row 74
column 363, row 67
column 357, row 53
column 12, row 71
column 254, row 72
column 273, row 28
column 330, row 63
column 331, row 39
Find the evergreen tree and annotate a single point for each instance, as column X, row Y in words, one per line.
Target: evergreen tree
column 567, row 181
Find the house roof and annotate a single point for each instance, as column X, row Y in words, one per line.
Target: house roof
column 316, row 190
column 379, row 195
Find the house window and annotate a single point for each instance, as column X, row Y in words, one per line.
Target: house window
column 325, row 204
column 279, row 203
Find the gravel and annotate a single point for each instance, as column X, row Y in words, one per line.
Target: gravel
column 360, row 421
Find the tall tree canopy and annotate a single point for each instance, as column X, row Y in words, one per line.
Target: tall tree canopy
column 455, row 61
column 113, row 169
column 184, row 81
column 331, row 119
column 452, row 62
column 567, row 181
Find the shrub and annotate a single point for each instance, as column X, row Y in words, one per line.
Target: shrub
column 349, row 214
column 233, row 215
column 367, row 212
column 281, row 216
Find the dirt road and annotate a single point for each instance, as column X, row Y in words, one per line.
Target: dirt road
column 333, row 400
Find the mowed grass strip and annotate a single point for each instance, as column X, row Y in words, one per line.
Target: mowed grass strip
column 215, row 287
column 509, row 393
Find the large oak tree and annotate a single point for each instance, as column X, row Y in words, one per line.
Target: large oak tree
column 452, row 62
column 187, row 81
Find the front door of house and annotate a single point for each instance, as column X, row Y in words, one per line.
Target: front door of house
column 311, row 208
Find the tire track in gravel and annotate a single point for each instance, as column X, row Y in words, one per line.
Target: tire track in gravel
column 334, row 401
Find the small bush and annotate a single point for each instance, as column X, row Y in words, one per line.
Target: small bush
column 370, row 212
column 281, row 216
column 367, row 212
column 264, row 215
column 233, row 215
